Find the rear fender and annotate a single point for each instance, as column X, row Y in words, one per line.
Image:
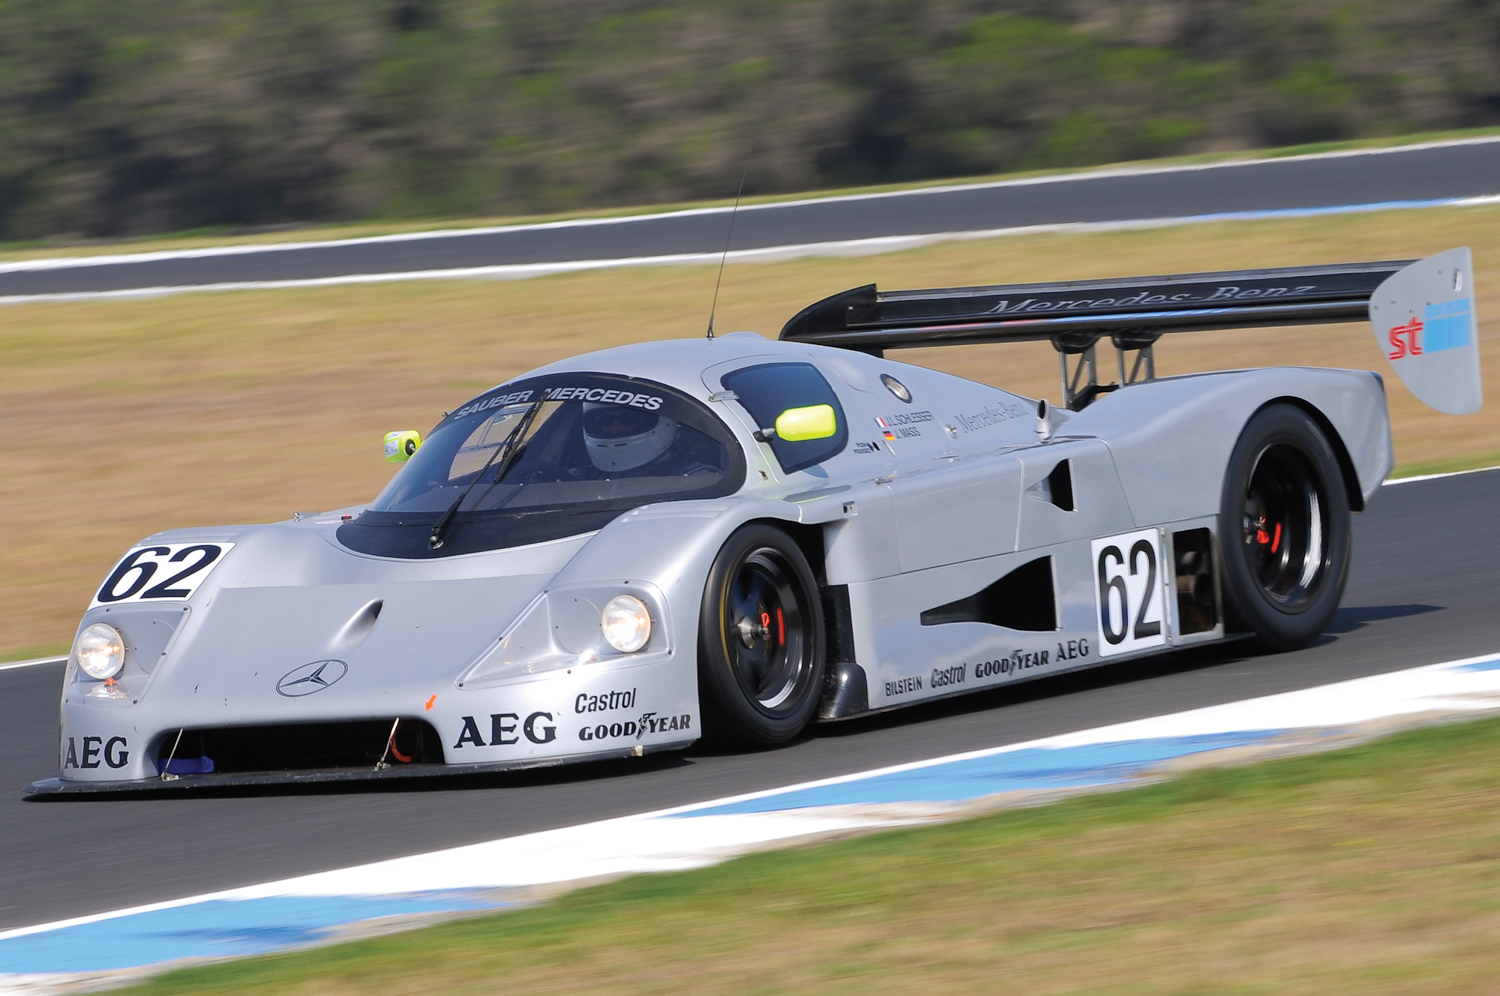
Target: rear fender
column 1181, row 430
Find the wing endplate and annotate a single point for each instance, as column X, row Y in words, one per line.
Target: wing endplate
column 1424, row 322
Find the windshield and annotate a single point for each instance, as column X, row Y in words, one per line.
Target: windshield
column 595, row 444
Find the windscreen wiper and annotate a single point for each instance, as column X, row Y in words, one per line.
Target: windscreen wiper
column 506, row 453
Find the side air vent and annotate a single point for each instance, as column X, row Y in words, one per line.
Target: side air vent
column 1023, row 600
column 1197, row 602
column 838, row 623
column 1056, row 487
column 845, row 691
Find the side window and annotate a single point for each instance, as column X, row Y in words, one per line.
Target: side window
column 768, row 389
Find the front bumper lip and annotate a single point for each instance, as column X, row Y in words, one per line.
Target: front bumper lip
column 48, row 787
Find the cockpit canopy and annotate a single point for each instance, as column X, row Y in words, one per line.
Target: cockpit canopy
column 549, row 457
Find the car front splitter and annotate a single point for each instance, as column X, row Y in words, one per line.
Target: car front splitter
column 52, row 787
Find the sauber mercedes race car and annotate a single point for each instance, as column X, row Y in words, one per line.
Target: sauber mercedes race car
column 731, row 538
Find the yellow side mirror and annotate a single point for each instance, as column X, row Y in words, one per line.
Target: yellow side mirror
column 401, row 444
column 814, row 422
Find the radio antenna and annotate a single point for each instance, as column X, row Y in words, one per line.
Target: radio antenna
column 727, row 239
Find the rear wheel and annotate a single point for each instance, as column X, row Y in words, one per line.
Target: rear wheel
column 760, row 645
column 1284, row 529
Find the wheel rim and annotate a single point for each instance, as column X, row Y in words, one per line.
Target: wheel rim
column 1285, row 525
column 764, row 634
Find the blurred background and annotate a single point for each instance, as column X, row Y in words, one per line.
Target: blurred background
column 122, row 118
column 187, row 124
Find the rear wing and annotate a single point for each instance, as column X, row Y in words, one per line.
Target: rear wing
column 1422, row 312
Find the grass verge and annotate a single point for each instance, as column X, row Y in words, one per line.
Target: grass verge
column 123, row 418
column 1451, row 465
column 1367, row 871
column 32, row 653
column 205, row 238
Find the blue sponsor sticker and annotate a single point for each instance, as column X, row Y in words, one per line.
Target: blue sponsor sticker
column 1447, row 325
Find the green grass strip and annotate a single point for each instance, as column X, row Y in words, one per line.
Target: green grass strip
column 34, row 652
column 1449, row 465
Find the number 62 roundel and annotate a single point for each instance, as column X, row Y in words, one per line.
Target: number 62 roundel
column 1130, row 592
column 163, row 571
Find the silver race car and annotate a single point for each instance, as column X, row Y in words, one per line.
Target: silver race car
column 730, row 538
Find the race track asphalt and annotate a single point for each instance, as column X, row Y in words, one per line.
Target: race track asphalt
column 1413, row 174
column 1423, row 589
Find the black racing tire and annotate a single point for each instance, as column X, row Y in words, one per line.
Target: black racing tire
column 760, row 641
column 1284, row 533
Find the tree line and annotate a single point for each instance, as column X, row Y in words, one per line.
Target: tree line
column 127, row 117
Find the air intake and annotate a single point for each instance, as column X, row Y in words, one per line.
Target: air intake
column 1022, row 600
column 358, row 745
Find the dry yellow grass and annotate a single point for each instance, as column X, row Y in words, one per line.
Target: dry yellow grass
column 123, row 418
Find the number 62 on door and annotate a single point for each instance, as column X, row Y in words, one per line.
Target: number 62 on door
column 1130, row 592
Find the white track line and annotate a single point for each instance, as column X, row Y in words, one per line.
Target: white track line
column 1434, row 477
column 64, row 262
column 35, row 661
column 848, row 247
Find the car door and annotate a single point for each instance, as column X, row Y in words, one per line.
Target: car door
column 849, row 468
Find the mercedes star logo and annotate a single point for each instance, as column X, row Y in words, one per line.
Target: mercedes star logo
column 311, row 678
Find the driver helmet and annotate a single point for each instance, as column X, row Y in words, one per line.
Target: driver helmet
column 619, row 437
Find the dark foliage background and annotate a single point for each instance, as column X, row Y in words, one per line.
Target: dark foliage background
column 123, row 117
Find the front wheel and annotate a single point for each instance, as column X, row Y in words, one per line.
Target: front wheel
column 1284, row 529
column 760, row 642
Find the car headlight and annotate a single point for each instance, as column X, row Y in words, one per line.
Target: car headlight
column 101, row 651
column 626, row 623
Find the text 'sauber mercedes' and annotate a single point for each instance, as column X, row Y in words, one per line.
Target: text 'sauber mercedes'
column 626, row 551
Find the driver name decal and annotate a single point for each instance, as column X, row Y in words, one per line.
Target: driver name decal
column 902, row 424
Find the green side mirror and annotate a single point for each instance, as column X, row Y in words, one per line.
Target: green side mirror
column 814, row 422
column 401, row 444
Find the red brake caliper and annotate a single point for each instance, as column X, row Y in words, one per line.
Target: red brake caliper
column 1262, row 537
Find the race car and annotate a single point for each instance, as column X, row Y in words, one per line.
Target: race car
column 733, row 537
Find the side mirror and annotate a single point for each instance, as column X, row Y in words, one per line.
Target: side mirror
column 401, row 444
column 814, row 422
